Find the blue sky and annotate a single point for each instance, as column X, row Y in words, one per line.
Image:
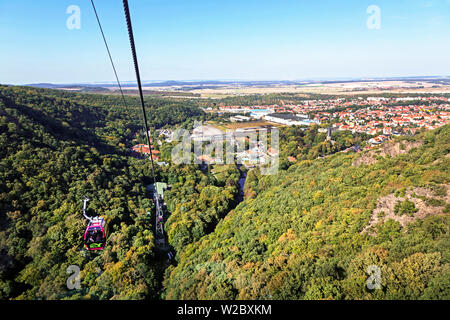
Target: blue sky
column 226, row 39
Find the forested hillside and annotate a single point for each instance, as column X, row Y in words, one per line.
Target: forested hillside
column 309, row 232
column 313, row 230
column 55, row 149
column 198, row 201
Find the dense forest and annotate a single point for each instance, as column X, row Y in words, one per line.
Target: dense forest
column 197, row 202
column 300, row 143
column 308, row 232
column 313, row 230
column 55, row 149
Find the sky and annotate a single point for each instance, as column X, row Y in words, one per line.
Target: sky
column 224, row 39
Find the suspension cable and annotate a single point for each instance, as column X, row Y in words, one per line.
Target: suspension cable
column 109, row 54
column 138, row 78
column 136, row 67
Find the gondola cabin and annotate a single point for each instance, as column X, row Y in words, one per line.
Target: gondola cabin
column 95, row 235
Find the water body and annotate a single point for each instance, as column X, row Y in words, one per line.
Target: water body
column 241, row 183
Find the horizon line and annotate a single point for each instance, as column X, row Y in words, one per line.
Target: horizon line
column 310, row 79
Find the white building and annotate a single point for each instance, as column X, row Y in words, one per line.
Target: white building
column 290, row 119
column 259, row 113
column 206, row 133
column 242, row 118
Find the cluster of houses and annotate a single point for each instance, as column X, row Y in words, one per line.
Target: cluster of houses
column 319, row 106
column 142, row 150
column 379, row 116
column 391, row 120
column 254, row 154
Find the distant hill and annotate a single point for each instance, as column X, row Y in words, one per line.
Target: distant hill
column 250, row 83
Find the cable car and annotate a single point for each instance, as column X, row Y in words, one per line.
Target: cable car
column 95, row 234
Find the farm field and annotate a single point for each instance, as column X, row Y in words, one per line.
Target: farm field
column 243, row 125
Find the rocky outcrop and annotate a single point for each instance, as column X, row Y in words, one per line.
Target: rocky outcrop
column 386, row 204
column 391, row 149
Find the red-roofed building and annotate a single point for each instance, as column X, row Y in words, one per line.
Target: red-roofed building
column 387, row 130
column 143, row 149
column 272, row 152
column 205, row 159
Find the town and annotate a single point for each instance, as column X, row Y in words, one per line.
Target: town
column 377, row 116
